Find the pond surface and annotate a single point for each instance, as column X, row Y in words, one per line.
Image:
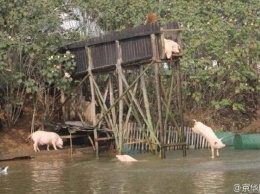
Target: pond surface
column 235, row 171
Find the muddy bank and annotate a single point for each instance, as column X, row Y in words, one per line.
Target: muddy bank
column 86, row 152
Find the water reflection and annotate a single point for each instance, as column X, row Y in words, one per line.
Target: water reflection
column 209, row 182
column 193, row 174
column 47, row 175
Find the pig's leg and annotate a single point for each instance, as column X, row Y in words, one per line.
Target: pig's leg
column 217, row 152
column 35, row 147
column 212, row 152
column 48, row 147
column 54, row 145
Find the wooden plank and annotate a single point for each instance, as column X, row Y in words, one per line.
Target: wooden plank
column 72, row 136
column 136, row 142
column 174, row 144
column 104, row 139
column 171, row 30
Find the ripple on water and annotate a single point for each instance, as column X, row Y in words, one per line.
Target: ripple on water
column 197, row 173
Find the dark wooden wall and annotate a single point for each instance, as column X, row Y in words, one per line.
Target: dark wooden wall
column 135, row 44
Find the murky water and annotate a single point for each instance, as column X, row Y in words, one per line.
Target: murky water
column 233, row 172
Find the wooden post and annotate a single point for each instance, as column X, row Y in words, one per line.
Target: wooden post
column 112, row 101
column 70, row 145
column 120, row 90
column 179, row 97
column 131, row 96
column 146, row 101
column 62, row 100
column 158, row 94
column 159, row 107
column 93, row 109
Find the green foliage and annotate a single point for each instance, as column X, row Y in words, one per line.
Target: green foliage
column 221, row 46
column 220, row 39
column 30, row 34
column 116, row 15
column 224, row 32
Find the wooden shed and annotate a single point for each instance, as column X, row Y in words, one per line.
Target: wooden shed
column 136, row 46
column 139, row 50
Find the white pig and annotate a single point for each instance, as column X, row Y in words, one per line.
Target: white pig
column 171, row 47
column 125, row 158
column 210, row 136
column 46, row 138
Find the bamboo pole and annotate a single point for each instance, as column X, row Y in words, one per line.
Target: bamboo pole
column 169, row 99
column 130, row 107
column 135, row 114
column 93, row 109
column 158, row 95
column 102, row 104
column 128, row 88
column 159, row 107
column 120, row 90
column 139, row 108
column 62, row 100
column 112, row 101
column 146, row 101
column 179, row 96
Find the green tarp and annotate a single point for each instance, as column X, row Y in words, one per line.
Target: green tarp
column 227, row 138
column 247, row 141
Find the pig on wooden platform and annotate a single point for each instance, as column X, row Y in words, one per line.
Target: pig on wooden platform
column 209, row 135
column 46, row 138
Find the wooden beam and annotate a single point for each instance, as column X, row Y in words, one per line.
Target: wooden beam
column 91, row 80
column 158, row 94
column 179, row 96
column 171, row 30
column 146, row 101
column 112, row 101
column 126, row 91
column 159, row 107
column 120, row 91
column 139, row 108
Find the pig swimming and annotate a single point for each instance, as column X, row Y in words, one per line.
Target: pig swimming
column 125, row 158
column 46, row 138
column 209, row 135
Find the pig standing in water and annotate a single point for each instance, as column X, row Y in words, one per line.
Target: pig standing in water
column 209, row 135
column 46, row 138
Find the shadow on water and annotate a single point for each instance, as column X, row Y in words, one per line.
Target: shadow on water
column 196, row 173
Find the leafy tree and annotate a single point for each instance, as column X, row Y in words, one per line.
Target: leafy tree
column 221, row 58
column 220, row 64
column 29, row 58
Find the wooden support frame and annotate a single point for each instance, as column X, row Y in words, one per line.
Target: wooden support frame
column 127, row 92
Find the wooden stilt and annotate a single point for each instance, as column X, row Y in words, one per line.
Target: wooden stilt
column 93, row 100
column 179, row 96
column 159, row 108
column 70, row 145
column 120, row 90
column 146, row 102
column 158, row 95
